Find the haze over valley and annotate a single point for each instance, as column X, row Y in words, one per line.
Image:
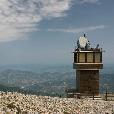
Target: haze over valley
column 47, row 80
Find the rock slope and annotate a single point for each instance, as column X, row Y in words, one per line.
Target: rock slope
column 12, row 103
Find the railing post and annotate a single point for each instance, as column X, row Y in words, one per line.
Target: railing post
column 106, row 95
column 93, row 95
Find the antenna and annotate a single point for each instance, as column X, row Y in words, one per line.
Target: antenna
column 84, row 35
column 97, row 46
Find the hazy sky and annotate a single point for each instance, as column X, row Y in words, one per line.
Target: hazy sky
column 45, row 31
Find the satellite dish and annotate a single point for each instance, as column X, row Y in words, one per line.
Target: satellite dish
column 83, row 42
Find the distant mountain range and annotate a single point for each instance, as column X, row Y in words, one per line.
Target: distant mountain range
column 53, row 83
column 44, row 83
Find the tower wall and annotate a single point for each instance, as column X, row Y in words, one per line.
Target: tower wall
column 87, row 81
column 87, row 64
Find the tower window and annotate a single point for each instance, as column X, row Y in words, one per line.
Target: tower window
column 89, row 57
column 82, row 57
column 97, row 57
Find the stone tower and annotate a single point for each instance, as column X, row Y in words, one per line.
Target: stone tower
column 87, row 62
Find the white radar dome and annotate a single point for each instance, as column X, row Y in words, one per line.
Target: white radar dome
column 83, row 42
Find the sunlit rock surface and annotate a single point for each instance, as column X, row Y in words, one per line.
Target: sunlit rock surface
column 12, row 103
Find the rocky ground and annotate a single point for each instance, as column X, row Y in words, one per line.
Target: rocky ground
column 12, row 103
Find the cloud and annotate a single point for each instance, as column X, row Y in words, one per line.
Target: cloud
column 18, row 17
column 78, row 30
column 89, row 1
